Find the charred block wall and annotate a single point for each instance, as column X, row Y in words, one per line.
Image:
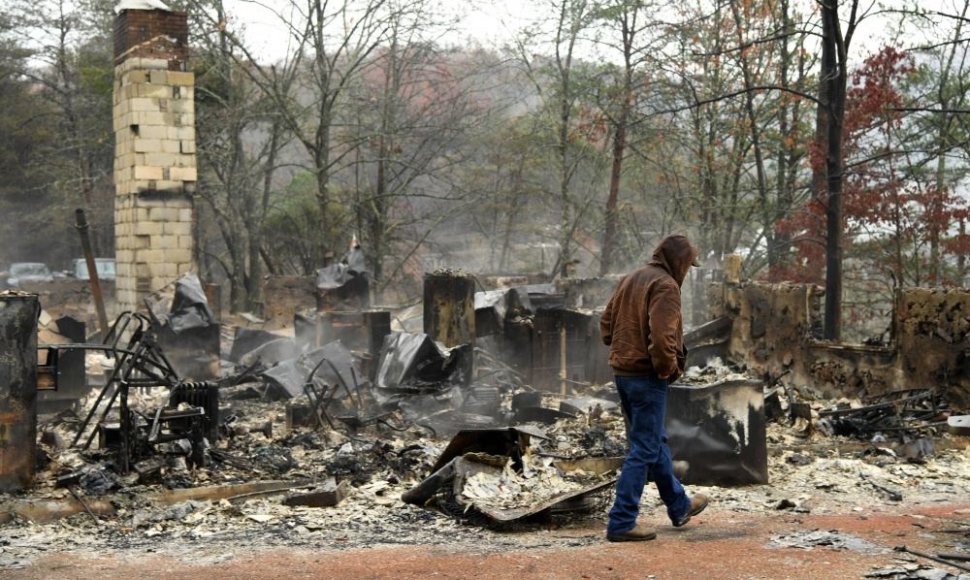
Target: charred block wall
column 933, row 335
column 776, row 329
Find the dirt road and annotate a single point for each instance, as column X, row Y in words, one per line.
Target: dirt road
column 714, row 545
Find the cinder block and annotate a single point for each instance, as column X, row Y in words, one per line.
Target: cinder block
column 182, row 173
column 171, row 146
column 147, row 146
column 149, row 118
column 140, row 104
column 148, row 228
column 185, row 242
column 158, row 159
column 147, row 172
column 136, row 63
column 177, row 228
column 152, row 255
column 179, row 256
column 135, row 77
column 184, row 106
column 163, row 269
column 165, row 242
column 153, row 91
column 185, row 268
column 163, row 214
column 183, row 79
column 169, row 185
column 159, row 132
column 185, row 215
column 185, row 133
column 187, row 146
column 159, row 77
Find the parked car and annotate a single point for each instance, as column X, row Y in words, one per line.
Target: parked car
column 105, row 267
column 21, row 273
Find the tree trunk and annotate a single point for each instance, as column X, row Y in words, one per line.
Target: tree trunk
column 609, row 231
column 834, row 47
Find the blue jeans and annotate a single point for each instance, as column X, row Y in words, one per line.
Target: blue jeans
column 644, row 401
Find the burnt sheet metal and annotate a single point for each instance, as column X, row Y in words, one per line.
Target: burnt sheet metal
column 511, row 442
column 543, row 296
column 270, row 353
column 190, row 307
column 959, row 424
column 67, row 378
column 494, row 308
column 719, row 429
column 474, row 451
column 361, row 331
column 415, row 364
column 586, row 356
column 708, row 341
column 351, row 267
column 189, row 334
column 469, row 465
column 489, row 312
column 18, row 390
column 291, row 375
column 248, row 339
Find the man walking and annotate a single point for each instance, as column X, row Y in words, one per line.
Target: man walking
column 642, row 325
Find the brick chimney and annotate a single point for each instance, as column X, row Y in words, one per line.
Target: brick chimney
column 155, row 165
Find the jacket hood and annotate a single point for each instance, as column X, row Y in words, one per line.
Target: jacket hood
column 676, row 255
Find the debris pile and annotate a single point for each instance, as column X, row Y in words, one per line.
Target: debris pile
column 302, row 443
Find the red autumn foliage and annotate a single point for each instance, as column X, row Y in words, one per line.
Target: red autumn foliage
column 875, row 197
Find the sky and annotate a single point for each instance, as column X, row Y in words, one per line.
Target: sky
column 494, row 23
column 483, row 22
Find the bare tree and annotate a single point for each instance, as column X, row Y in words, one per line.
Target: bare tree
column 240, row 139
column 330, row 43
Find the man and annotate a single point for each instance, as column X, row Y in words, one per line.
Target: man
column 642, row 325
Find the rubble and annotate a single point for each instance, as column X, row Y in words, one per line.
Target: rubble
column 328, row 444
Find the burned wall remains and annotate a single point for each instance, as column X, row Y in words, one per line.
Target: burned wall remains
column 933, row 337
column 285, row 295
column 776, row 330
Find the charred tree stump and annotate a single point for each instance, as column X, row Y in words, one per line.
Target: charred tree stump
column 449, row 308
column 449, row 312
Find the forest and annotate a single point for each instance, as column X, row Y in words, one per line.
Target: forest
column 825, row 142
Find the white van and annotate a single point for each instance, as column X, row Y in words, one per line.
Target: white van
column 105, row 266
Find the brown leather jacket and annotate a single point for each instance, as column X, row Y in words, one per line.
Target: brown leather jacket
column 642, row 322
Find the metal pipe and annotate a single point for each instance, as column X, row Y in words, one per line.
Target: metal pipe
column 931, row 557
column 82, row 228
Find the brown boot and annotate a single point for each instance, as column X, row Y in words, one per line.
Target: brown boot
column 697, row 504
column 637, row 534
